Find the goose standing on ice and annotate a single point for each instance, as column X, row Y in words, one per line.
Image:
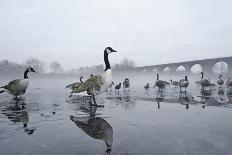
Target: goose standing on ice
column 117, row 87
column 98, row 84
column 204, row 82
column 220, row 81
column 160, row 84
column 18, row 86
column 147, row 86
column 74, row 85
column 174, row 83
column 126, row 84
column 183, row 83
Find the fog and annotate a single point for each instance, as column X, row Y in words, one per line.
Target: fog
column 150, row 32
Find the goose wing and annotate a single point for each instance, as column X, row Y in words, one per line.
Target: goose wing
column 73, row 85
column 12, row 85
column 93, row 83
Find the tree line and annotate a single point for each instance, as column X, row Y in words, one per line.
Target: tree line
column 9, row 67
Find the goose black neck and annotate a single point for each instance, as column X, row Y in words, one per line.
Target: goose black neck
column 107, row 63
column 25, row 74
column 157, row 76
column 81, row 79
column 202, row 75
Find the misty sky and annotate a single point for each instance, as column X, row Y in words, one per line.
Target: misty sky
column 75, row 32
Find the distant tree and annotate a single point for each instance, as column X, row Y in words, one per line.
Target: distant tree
column 38, row 65
column 125, row 65
column 56, row 67
column 10, row 67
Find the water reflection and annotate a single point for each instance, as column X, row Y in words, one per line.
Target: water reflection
column 185, row 99
column 18, row 113
column 95, row 127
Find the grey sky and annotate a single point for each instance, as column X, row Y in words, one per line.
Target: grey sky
column 75, row 32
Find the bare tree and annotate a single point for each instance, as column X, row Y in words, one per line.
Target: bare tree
column 56, row 67
column 38, row 65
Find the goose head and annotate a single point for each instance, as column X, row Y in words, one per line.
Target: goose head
column 109, row 50
column 30, row 69
column 186, row 78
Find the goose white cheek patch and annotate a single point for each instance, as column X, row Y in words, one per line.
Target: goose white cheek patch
column 108, row 51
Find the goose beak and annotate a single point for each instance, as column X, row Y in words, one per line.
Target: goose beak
column 113, row 50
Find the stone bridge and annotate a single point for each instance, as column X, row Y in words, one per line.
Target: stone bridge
column 206, row 65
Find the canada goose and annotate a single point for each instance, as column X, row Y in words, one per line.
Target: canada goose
column 159, row 83
column 98, row 84
column 18, row 86
column 220, row 81
column 126, row 83
column 117, row 87
column 183, row 83
column 111, row 85
column 229, row 83
column 147, row 86
column 174, row 83
column 74, row 85
column 204, row 82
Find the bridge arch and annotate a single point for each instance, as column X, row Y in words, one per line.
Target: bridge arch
column 196, row 68
column 220, row 67
column 166, row 69
column 180, row 69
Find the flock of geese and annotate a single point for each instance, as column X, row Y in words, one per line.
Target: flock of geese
column 97, row 84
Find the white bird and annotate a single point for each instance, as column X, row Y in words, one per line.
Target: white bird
column 204, row 82
column 183, row 83
column 18, row 86
column 160, row 84
column 220, row 81
column 98, row 84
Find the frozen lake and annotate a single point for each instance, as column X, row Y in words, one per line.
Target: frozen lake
column 131, row 122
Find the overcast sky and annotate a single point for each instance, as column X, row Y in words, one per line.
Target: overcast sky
column 75, row 32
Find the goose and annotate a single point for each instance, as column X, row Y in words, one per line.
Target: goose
column 117, row 87
column 147, row 86
column 229, row 83
column 183, row 83
column 98, row 84
column 160, row 84
column 18, row 86
column 111, row 85
column 74, row 85
column 174, row 83
column 204, row 82
column 126, row 83
column 220, row 81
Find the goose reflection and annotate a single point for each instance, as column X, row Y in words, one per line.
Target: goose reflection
column 95, row 127
column 17, row 113
column 185, row 99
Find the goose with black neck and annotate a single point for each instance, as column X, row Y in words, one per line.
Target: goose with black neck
column 98, row 84
column 18, row 86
